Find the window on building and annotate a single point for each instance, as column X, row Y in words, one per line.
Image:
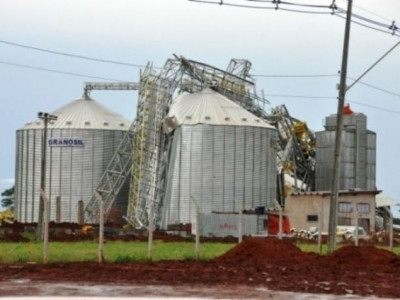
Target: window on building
column 312, row 218
column 363, row 208
column 344, row 221
column 345, row 207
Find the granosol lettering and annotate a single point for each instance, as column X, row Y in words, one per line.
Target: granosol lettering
column 66, row 142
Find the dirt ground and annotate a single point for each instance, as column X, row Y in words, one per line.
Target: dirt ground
column 256, row 263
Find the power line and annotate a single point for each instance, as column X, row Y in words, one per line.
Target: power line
column 73, row 55
column 367, row 26
column 371, row 12
column 221, row 2
column 137, row 65
column 232, row 4
column 305, row 11
column 58, row 71
column 390, row 28
column 299, row 96
column 375, row 107
column 375, row 87
column 294, row 76
column 254, row 75
column 304, row 4
column 268, row 95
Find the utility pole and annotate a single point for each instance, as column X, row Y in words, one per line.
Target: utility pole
column 46, row 117
column 339, row 124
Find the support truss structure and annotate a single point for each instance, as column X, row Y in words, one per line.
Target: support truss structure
column 143, row 152
column 296, row 155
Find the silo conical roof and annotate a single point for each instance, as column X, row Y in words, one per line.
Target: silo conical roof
column 84, row 113
column 209, row 107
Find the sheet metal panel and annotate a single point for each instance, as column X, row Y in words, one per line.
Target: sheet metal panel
column 229, row 169
column 72, row 172
column 223, row 168
column 357, row 154
column 217, row 179
column 221, row 225
column 270, row 153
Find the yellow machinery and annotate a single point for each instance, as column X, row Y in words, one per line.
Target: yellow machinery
column 6, row 216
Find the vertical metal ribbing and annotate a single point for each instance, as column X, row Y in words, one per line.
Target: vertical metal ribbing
column 16, row 191
column 223, row 170
column 190, row 174
column 244, row 170
column 234, row 169
column 260, row 175
column 60, row 182
column 253, row 167
column 32, row 174
column 201, row 204
column 50, row 172
column 180, row 175
column 70, row 185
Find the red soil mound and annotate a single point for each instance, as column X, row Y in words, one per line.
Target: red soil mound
column 264, row 250
column 352, row 255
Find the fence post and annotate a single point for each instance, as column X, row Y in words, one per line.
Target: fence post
column 46, row 227
column 101, row 227
column 320, row 224
column 81, row 213
column 390, row 228
column 197, row 245
column 280, row 219
column 356, row 233
column 58, row 209
column 240, row 227
column 150, row 230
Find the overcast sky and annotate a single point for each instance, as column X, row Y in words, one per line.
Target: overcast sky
column 277, row 42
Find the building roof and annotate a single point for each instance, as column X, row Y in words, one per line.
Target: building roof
column 84, row 113
column 383, row 200
column 209, row 107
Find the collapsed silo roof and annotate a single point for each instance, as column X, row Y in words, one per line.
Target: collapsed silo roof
column 209, row 107
column 84, row 113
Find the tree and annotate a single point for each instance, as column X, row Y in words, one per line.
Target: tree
column 7, row 198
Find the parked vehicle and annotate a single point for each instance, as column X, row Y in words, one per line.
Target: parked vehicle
column 343, row 233
column 349, row 233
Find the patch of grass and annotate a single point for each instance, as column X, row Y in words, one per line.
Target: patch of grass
column 29, row 235
column 306, row 247
column 114, row 251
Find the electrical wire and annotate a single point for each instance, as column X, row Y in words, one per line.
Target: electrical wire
column 375, row 87
column 299, row 96
column 72, row 55
column 231, row 4
column 294, row 76
column 374, row 107
column 369, row 11
column 259, row 7
column 268, row 95
column 290, row 3
column 367, row 26
column 253, row 75
column 305, row 11
column 59, row 71
column 137, row 65
column 353, row 15
column 389, row 28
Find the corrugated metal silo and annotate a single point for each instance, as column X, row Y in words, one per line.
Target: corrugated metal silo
column 222, row 157
column 358, row 155
column 80, row 144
